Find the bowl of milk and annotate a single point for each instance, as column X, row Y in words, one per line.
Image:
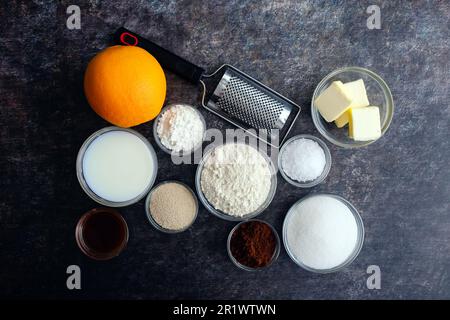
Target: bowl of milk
column 116, row 167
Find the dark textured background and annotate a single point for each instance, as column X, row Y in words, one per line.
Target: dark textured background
column 400, row 184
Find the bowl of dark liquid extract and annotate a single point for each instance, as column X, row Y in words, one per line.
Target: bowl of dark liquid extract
column 102, row 233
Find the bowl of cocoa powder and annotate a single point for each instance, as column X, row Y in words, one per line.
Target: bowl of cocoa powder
column 253, row 245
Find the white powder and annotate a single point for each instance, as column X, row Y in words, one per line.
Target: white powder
column 303, row 160
column 322, row 232
column 236, row 179
column 180, row 128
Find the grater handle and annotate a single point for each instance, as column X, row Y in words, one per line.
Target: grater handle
column 167, row 59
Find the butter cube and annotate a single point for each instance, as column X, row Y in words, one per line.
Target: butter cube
column 333, row 101
column 343, row 119
column 364, row 124
column 357, row 92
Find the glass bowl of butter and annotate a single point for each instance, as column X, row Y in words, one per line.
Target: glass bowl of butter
column 352, row 107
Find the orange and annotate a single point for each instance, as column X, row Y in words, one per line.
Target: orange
column 125, row 85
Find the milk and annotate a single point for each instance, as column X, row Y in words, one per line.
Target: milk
column 118, row 166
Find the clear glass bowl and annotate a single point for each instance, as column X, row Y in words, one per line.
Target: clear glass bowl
column 156, row 224
column 223, row 215
column 378, row 93
column 158, row 139
column 326, row 169
column 276, row 253
column 359, row 240
column 79, row 237
column 82, row 180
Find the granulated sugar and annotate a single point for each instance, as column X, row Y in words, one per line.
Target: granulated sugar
column 321, row 232
column 303, row 160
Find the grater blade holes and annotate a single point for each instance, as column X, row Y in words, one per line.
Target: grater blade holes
column 246, row 103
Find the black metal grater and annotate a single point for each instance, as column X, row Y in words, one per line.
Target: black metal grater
column 228, row 92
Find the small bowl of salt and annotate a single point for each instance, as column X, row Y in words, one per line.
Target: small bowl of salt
column 304, row 161
column 179, row 129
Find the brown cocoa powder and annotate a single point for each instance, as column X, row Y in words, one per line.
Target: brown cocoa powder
column 253, row 244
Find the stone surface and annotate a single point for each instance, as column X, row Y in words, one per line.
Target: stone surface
column 400, row 184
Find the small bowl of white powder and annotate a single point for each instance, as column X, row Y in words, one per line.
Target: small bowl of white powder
column 304, row 161
column 179, row 129
column 323, row 233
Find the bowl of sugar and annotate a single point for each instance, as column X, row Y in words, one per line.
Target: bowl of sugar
column 323, row 233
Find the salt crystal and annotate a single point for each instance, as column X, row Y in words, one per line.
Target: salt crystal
column 303, row 160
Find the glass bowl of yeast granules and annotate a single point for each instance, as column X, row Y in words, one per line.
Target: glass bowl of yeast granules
column 253, row 245
column 171, row 207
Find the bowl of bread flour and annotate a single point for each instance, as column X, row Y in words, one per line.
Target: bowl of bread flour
column 235, row 181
